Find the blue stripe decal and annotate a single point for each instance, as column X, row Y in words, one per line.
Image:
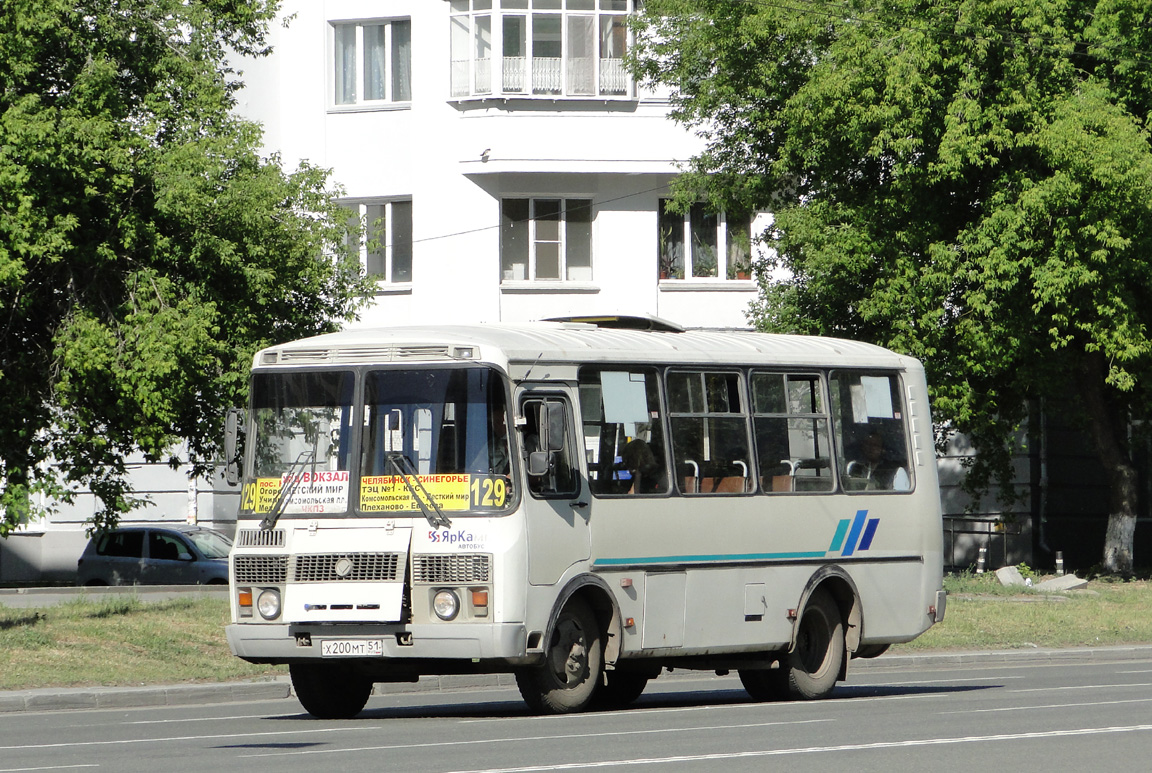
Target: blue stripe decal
column 707, row 559
column 854, row 534
column 869, row 533
column 838, row 538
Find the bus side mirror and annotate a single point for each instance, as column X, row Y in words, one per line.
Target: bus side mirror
column 539, row 462
column 231, row 446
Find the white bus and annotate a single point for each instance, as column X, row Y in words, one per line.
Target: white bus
column 582, row 503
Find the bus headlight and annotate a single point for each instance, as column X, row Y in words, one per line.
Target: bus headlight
column 446, row 604
column 268, row 602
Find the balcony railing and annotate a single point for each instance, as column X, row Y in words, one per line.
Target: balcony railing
column 546, row 76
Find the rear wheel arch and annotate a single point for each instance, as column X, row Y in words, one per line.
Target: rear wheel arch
column 834, row 580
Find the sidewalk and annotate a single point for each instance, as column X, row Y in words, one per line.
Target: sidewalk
column 58, row 699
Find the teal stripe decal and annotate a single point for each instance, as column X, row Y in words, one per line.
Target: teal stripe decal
column 838, row 538
column 707, row 559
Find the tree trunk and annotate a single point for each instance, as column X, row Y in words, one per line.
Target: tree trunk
column 1109, row 429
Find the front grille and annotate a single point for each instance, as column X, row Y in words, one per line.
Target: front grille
column 261, row 570
column 260, row 538
column 451, row 569
column 365, row 566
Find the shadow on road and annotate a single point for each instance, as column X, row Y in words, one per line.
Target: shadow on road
column 468, row 708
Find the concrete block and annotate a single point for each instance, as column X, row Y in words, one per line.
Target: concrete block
column 47, row 700
column 11, row 702
column 260, row 691
column 458, row 681
column 187, row 695
column 1067, row 582
column 130, row 697
column 1010, row 575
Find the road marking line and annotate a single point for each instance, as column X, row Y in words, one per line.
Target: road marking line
column 1083, row 687
column 72, row 744
column 933, row 681
column 815, row 750
column 559, row 737
column 1049, row 706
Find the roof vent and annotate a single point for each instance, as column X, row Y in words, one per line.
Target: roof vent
column 624, row 322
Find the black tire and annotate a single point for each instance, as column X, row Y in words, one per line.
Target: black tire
column 329, row 691
column 620, row 689
column 765, row 684
column 811, row 669
column 567, row 679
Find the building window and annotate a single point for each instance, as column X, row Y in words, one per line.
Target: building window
column 702, row 244
column 546, row 240
column 372, row 62
column 386, row 244
column 569, row 48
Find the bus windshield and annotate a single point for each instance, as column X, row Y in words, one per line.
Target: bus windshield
column 301, row 442
column 446, row 430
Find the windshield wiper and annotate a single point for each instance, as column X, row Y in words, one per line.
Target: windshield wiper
column 287, row 491
column 411, row 479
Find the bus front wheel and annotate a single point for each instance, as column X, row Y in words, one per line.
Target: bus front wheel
column 566, row 681
column 328, row 691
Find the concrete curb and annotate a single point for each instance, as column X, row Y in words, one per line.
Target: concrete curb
column 61, row 699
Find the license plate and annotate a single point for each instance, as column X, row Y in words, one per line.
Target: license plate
column 351, row 648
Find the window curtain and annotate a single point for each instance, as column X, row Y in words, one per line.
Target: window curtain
column 401, row 61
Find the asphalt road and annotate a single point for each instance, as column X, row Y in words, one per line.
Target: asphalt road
column 1031, row 716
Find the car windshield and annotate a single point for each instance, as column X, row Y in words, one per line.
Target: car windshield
column 211, row 544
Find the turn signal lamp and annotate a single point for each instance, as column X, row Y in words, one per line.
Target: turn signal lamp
column 480, row 602
column 244, row 601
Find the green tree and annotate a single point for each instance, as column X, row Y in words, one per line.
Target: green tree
column 968, row 181
column 146, row 248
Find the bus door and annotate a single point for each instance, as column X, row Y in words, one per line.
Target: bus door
column 556, row 504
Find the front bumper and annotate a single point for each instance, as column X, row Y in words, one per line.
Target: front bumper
column 264, row 643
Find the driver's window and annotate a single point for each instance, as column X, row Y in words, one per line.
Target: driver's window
column 558, row 475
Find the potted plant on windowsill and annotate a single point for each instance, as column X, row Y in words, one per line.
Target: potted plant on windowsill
column 740, row 267
column 671, row 259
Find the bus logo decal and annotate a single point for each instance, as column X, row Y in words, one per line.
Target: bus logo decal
column 859, row 532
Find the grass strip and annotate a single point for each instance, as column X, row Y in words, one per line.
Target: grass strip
column 123, row 641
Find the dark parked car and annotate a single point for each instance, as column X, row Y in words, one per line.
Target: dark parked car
column 155, row 555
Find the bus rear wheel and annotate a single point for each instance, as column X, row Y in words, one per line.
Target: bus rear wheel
column 329, row 691
column 811, row 669
column 566, row 681
column 620, row 689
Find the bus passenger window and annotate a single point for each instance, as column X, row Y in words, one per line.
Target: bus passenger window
column 623, row 431
column 709, row 433
column 793, row 445
column 871, row 431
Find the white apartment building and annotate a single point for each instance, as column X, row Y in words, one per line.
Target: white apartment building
column 507, row 169
column 501, row 156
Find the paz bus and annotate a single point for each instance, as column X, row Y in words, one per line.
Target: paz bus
column 582, row 503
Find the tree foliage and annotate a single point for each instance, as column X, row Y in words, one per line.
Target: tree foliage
column 146, row 248
column 968, row 181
